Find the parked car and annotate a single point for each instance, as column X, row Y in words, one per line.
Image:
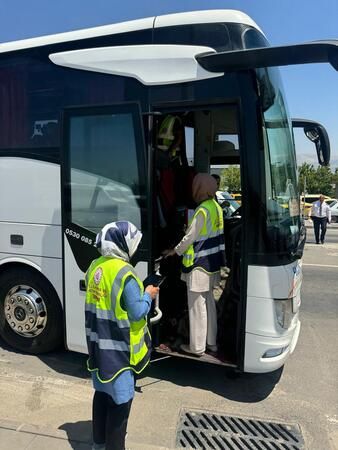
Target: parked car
column 334, row 211
column 237, row 196
column 331, row 201
column 227, row 202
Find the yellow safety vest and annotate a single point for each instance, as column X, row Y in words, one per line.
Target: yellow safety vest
column 114, row 343
column 166, row 135
column 208, row 251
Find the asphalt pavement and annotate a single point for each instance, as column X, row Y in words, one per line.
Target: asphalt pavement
column 331, row 234
column 46, row 400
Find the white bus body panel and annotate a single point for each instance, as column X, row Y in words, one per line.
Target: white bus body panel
column 38, row 240
column 151, row 65
column 263, row 333
column 75, row 301
column 33, row 195
column 31, row 207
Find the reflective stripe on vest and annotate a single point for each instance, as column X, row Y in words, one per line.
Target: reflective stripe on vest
column 207, row 252
column 166, row 133
column 114, row 343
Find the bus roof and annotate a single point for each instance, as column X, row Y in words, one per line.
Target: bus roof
column 186, row 18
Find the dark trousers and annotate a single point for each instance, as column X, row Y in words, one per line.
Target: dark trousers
column 319, row 223
column 110, row 421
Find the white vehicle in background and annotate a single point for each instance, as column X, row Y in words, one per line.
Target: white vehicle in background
column 334, row 211
column 227, row 203
column 80, row 114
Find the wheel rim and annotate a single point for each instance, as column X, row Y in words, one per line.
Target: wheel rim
column 25, row 311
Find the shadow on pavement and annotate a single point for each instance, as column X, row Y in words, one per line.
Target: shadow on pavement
column 61, row 361
column 248, row 388
column 79, row 434
column 67, row 363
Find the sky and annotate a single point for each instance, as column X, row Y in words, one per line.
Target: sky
column 311, row 90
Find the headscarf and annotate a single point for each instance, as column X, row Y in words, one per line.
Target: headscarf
column 204, row 187
column 118, row 240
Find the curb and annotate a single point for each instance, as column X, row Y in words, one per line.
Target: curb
column 39, row 431
column 36, row 430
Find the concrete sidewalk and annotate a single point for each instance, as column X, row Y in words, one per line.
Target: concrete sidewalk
column 16, row 436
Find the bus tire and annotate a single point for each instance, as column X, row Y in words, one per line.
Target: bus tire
column 31, row 316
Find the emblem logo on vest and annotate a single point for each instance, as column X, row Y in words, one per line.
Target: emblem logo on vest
column 98, row 275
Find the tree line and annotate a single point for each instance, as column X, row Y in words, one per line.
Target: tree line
column 316, row 180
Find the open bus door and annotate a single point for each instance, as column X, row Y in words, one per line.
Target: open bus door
column 103, row 178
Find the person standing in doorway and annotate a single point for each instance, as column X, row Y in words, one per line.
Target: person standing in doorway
column 321, row 216
column 203, row 253
column 218, row 180
column 118, row 339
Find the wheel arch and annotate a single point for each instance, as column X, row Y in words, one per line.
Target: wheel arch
column 17, row 263
column 53, row 334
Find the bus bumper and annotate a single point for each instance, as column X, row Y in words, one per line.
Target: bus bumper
column 266, row 354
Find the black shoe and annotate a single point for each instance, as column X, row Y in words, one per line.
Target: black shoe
column 322, row 242
column 317, row 242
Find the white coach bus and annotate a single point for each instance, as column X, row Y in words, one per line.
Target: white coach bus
column 79, row 120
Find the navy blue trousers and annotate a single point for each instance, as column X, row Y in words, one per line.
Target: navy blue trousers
column 319, row 224
column 109, row 421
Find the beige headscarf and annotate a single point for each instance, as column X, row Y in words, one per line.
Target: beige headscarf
column 204, row 187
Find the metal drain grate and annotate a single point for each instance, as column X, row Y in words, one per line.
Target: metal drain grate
column 200, row 430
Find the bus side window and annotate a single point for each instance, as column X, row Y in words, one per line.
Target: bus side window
column 106, row 175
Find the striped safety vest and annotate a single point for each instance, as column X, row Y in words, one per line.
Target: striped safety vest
column 114, row 343
column 166, row 136
column 208, row 251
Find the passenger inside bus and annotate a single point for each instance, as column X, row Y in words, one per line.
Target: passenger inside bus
column 203, row 252
column 186, row 143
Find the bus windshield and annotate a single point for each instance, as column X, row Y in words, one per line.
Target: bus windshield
column 282, row 196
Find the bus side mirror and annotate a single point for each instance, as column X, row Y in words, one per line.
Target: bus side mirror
column 317, row 134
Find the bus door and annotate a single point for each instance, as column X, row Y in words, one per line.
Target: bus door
column 104, row 180
column 208, row 139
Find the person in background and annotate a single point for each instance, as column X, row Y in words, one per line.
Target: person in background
column 170, row 138
column 218, row 180
column 321, row 216
column 203, row 253
column 118, row 339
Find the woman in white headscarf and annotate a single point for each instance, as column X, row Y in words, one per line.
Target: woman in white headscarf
column 117, row 336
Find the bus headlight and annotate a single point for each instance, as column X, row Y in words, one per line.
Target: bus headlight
column 284, row 314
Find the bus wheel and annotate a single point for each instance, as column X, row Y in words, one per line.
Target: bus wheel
column 31, row 318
